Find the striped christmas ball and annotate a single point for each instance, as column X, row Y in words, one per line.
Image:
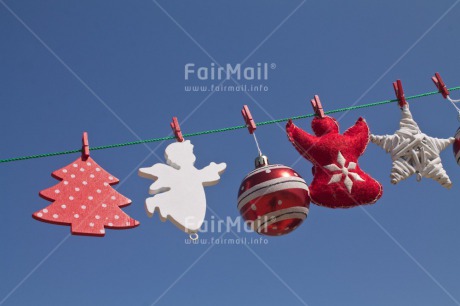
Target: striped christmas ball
column 457, row 146
column 274, row 200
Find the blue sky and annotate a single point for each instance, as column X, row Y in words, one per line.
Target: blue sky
column 116, row 70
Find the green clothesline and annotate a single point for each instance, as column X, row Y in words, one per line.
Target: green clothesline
column 221, row 130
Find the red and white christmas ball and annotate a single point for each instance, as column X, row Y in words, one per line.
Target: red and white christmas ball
column 273, row 199
column 457, row 146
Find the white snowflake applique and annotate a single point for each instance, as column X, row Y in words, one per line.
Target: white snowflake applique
column 345, row 171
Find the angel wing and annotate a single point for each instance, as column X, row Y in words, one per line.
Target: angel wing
column 359, row 132
column 162, row 175
column 300, row 139
column 210, row 175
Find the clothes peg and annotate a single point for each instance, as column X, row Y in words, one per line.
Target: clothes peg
column 176, row 129
column 250, row 124
column 399, row 91
column 437, row 80
column 85, row 146
column 317, row 107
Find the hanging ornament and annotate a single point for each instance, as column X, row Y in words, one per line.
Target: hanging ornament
column 85, row 198
column 412, row 151
column 442, row 88
column 273, row 199
column 338, row 181
column 457, row 146
column 178, row 187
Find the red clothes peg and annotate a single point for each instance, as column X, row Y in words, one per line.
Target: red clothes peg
column 399, row 91
column 250, row 124
column 317, row 107
column 85, row 146
column 176, row 129
column 437, row 80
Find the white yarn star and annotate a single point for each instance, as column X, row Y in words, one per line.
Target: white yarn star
column 345, row 172
column 414, row 152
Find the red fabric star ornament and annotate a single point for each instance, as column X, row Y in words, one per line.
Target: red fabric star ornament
column 338, row 181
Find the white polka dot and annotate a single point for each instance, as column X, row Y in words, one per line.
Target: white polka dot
column 113, row 197
column 268, row 171
column 72, row 175
column 98, row 191
column 104, row 205
column 85, row 183
column 82, row 169
column 66, row 183
column 110, row 177
column 106, row 184
column 57, row 191
column 110, row 224
column 45, row 211
column 88, row 164
column 83, row 207
column 102, row 231
column 91, row 175
column 76, row 216
column 127, row 223
column 91, row 224
column 40, row 214
column 64, row 170
column 117, row 217
column 242, row 188
column 98, row 169
column 253, row 207
column 275, row 227
column 71, row 198
column 75, row 165
column 287, row 228
column 97, row 217
column 63, row 206
column 77, row 189
column 55, row 216
column 280, row 202
column 90, row 198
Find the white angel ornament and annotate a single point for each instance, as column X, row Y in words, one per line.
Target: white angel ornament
column 178, row 187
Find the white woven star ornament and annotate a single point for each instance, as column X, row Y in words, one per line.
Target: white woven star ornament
column 414, row 152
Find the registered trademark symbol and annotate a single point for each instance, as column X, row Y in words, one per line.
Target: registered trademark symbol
column 272, row 65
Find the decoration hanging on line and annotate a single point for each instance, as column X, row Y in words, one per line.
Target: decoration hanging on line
column 338, row 181
column 85, row 198
column 412, row 151
column 437, row 80
column 178, row 188
column 273, row 199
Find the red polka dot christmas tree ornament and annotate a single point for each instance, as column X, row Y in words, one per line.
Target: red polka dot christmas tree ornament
column 273, row 199
column 84, row 198
column 338, row 181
